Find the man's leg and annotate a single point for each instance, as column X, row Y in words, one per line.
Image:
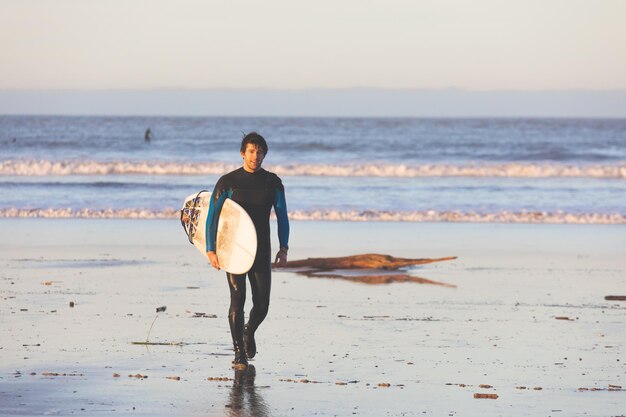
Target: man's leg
column 261, row 283
column 237, row 285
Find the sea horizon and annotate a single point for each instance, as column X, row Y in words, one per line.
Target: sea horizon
column 317, row 102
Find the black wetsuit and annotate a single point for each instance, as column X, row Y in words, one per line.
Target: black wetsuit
column 257, row 193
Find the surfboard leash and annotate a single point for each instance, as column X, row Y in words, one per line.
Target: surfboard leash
column 191, row 212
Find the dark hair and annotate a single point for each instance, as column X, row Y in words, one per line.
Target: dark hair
column 253, row 138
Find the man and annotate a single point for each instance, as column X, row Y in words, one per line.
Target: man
column 256, row 190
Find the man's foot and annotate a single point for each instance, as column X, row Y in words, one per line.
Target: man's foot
column 240, row 362
column 249, row 343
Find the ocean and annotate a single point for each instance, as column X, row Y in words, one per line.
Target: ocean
column 355, row 169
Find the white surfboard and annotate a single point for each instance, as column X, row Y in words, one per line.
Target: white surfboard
column 236, row 236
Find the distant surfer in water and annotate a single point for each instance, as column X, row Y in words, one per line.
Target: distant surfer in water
column 257, row 191
column 147, row 137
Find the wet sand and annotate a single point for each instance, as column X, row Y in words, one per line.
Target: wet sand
column 523, row 313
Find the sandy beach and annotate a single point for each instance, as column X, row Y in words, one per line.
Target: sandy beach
column 523, row 317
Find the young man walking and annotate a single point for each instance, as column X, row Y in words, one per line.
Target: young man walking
column 257, row 191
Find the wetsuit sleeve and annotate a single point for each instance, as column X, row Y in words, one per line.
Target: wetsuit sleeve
column 215, row 207
column 280, row 208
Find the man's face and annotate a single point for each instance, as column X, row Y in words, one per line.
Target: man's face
column 252, row 158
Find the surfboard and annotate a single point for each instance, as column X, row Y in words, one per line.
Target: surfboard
column 236, row 236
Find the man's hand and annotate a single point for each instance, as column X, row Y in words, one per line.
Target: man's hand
column 281, row 258
column 213, row 258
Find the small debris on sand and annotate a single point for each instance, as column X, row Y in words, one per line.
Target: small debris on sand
column 71, row 304
column 218, row 378
column 459, row 385
column 204, row 316
column 300, row 381
column 488, row 396
column 609, row 388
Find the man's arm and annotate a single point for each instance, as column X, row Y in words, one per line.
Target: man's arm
column 280, row 208
column 215, row 207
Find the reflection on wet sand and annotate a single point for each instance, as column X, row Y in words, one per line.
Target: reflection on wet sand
column 377, row 278
column 244, row 400
column 369, row 268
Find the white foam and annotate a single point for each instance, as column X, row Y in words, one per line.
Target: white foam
column 522, row 170
column 336, row 215
column 63, row 168
column 461, row 217
column 86, row 213
column 469, row 170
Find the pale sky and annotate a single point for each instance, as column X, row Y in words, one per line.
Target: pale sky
column 288, row 44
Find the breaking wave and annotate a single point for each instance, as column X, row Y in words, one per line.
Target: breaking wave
column 519, row 170
column 336, row 215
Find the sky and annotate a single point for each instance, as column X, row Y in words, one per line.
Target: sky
column 479, row 45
